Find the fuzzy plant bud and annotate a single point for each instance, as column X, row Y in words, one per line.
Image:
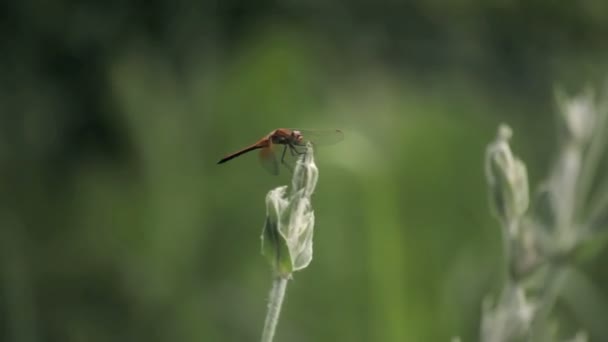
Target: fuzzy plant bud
column 288, row 231
column 510, row 319
column 579, row 115
column 507, row 178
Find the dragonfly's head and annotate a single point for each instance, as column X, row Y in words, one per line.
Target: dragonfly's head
column 297, row 136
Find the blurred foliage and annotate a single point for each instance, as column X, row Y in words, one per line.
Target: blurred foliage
column 116, row 224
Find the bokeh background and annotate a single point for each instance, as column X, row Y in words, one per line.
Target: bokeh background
column 116, row 224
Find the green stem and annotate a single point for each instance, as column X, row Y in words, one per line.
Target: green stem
column 552, row 287
column 596, row 149
column 275, row 301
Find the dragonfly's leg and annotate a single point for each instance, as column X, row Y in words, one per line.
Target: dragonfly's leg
column 294, row 150
column 289, row 167
column 283, row 154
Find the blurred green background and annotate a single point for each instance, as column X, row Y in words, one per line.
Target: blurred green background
column 116, row 224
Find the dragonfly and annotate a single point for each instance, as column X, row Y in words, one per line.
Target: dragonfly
column 292, row 140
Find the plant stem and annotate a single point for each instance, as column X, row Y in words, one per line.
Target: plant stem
column 275, row 301
column 553, row 283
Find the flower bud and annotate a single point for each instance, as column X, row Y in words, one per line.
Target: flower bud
column 579, row 116
column 507, row 178
column 288, row 231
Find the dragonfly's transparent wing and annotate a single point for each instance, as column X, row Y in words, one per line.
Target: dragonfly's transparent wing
column 269, row 160
column 322, row 137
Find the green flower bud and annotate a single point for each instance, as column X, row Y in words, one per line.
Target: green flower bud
column 507, row 178
column 579, row 115
column 288, row 231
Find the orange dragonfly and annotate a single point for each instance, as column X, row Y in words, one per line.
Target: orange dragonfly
column 290, row 139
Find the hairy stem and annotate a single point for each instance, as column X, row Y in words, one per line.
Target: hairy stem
column 275, row 301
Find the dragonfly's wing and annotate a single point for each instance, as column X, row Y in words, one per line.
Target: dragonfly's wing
column 269, row 160
column 322, row 137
